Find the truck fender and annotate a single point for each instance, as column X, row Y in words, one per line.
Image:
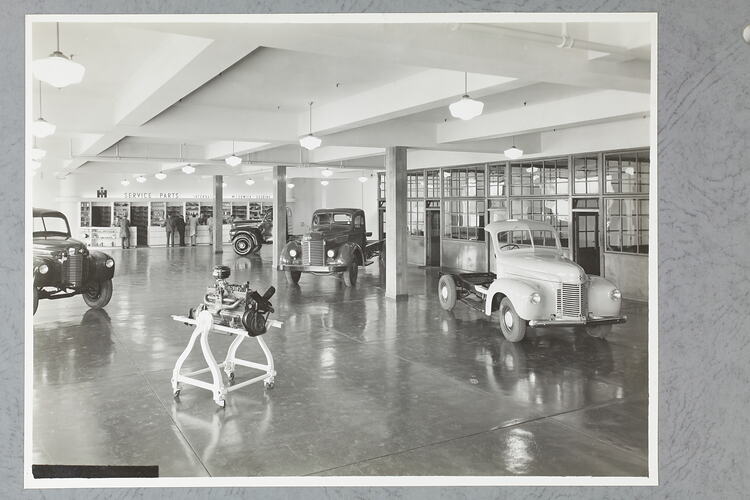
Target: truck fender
column 348, row 251
column 284, row 258
column 599, row 297
column 518, row 291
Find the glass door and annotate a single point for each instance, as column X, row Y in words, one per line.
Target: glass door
column 586, row 250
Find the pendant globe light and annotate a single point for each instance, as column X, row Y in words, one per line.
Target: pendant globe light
column 363, row 178
column 250, row 181
column 188, row 169
column 290, row 185
column 125, row 182
column 37, row 153
column 233, row 160
column 326, row 172
column 41, row 127
column 310, row 141
column 58, row 69
column 141, row 179
column 323, row 183
column 513, row 153
column 160, row 176
column 466, row 108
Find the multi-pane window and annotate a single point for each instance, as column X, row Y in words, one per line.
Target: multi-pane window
column 586, row 174
column 535, row 178
column 627, row 225
column 464, row 182
column 415, row 217
column 627, row 172
column 415, row 185
column 555, row 212
column 381, row 186
column 496, row 180
column 464, row 219
column 433, row 183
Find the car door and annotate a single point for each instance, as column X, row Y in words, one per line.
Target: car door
column 358, row 230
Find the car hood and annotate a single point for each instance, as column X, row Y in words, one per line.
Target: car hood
column 541, row 264
column 47, row 246
column 331, row 235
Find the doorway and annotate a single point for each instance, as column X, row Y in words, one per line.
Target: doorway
column 432, row 242
column 586, row 250
column 139, row 219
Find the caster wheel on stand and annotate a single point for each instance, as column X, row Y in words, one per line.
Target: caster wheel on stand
column 231, row 376
column 268, row 384
column 177, row 394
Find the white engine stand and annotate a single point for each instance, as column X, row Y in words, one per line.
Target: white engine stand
column 204, row 324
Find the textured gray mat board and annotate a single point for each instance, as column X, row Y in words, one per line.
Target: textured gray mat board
column 704, row 270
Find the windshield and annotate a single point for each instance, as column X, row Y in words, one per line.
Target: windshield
column 51, row 226
column 524, row 238
column 329, row 218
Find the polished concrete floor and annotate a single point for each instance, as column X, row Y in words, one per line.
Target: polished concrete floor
column 365, row 385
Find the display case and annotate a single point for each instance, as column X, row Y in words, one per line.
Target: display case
column 226, row 208
column 101, row 214
column 192, row 208
column 175, row 208
column 85, row 214
column 106, row 237
column 139, row 219
column 207, row 210
column 121, row 211
column 239, row 210
column 157, row 236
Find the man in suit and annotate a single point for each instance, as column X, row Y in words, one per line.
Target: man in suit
column 180, row 225
column 125, row 232
column 193, row 229
column 169, row 226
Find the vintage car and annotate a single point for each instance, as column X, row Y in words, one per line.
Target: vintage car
column 248, row 236
column 336, row 244
column 536, row 284
column 64, row 267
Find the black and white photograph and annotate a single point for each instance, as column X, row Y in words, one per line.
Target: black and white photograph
column 339, row 249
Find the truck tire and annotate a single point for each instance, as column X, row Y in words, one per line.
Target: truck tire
column 350, row 275
column 242, row 244
column 36, row 300
column 101, row 294
column 599, row 331
column 512, row 326
column 292, row 277
column 257, row 244
column 447, row 292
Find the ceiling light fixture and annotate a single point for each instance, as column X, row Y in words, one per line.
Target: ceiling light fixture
column 37, row 153
column 363, row 178
column 160, row 176
column 290, row 185
column 233, row 160
column 513, row 153
column 41, row 127
column 223, row 184
column 58, row 69
column 249, row 181
column 327, row 172
column 310, row 141
column 188, row 169
column 36, row 164
column 140, row 179
column 323, row 183
column 466, row 108
column 125, row 182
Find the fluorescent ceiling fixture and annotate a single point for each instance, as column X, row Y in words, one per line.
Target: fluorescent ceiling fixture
column 161, row 176
column 37, row 154
column 42, row 128
column 324, row 183
column 290, row 185
column 513, row 153
column 188, row 169
column 363, row 178
column 466, row 108
column 233, row 160
column 125, row 182
column 35, row 164
column 327, row 172
column 250, row 181
column 58, row 69
column 141, row 179
column 309, row 141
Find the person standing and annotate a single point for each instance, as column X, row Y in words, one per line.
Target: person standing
column 210, row 222
column 125, row 231
column 193, row 229
column 169, row 226
column 180, row 225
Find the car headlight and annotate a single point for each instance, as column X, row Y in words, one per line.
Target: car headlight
column 331, row 253
column 535, row 298
column 615, row 294
column 109, row 263
column 292, row 253
column 43, row 269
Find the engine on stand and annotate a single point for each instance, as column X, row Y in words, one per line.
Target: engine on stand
column 236, row 305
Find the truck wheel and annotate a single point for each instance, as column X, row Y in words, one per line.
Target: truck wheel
column 599, row 331
column 447, row 292
column 99, row 295
column 36, row 300
column 381, row 260
column 256, row 245
column 292, row 277
column 512, row 326
column 350, row 275
column 242, row 245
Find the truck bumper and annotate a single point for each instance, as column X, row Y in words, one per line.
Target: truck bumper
column 313, row 269
column 590, row 321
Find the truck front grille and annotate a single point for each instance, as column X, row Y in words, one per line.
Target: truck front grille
column 72, row 269
column 313, row 252
column 572, row 300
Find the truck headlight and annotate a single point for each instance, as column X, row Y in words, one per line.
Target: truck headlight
column 535, row 298
column 292, row 253
column 615, row 294
column 43, row 269
column 109, row 263
column 331, row 253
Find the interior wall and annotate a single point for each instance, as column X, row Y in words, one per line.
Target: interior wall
column 629, row 273
column 350, row 193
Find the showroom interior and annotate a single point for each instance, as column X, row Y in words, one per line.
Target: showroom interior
column 241, row 121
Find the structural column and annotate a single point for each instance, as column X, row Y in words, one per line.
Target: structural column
column 218, row 212
column 279, row 213
column 395, row 223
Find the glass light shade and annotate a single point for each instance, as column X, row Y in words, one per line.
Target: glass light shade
column 125, row 182
column 140, row 179
column 327, row 172
column 161, row 176
column 58, row 70
column 42, row 128
column 310, row 142
column 233, row 160
column 37, row 154
column 224, row 184
column 290, row 185
column 36, row 165
column 466, row 108
column 250, row 182
column 362, row 179
column 323, row 183
column 513, row 153
column 188, row 169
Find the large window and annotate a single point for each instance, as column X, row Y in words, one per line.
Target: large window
column 627, row 172
column 555, row 212
column 415, row 217
column 627, row 225
column 415, row 185
column 464, row 219
column 535, row 178
column 464, row 182
column 433, row 183
column 496, row 180
column 586, row 174
column 381, row 186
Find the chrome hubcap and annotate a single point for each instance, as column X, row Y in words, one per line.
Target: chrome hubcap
column 444, row 292
column 508, row 318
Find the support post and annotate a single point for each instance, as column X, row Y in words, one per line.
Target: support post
column 395, row 223
column 218, row 213
column 279, row 213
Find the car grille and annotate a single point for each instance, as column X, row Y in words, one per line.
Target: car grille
column 72, row 269
column 572, row 300
column 313, row 252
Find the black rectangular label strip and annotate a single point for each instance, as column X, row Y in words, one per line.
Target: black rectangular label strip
column 93, row 471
